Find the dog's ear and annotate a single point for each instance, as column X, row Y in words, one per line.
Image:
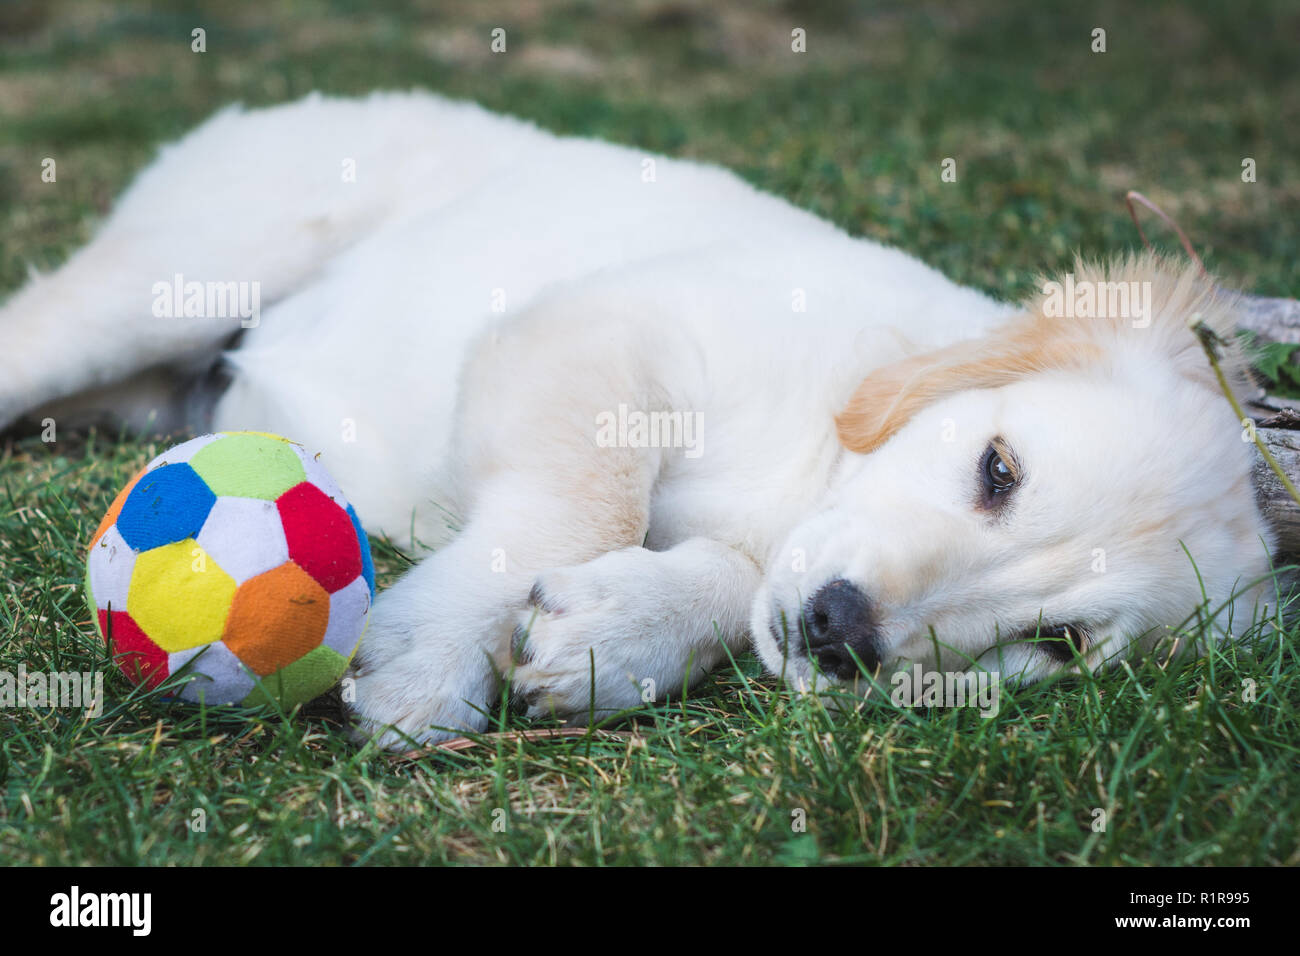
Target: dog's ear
column 1167, row 296
column 889, row 397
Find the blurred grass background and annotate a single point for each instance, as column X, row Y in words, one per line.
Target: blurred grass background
column 1047, row 136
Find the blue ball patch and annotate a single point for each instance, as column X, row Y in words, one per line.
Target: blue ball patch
column 169, row 504
column 367, row 564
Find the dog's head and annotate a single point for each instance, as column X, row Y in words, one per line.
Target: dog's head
column 1073, row 484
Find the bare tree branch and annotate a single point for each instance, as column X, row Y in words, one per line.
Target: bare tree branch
column 1272, row 320
column 1277, row 421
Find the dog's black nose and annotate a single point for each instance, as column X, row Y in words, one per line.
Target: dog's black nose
column 837, row 626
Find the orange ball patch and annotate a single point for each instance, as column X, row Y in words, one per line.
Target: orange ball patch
column 276, row 618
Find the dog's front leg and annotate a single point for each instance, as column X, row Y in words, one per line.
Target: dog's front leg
column 429, row 667
column 541, row 491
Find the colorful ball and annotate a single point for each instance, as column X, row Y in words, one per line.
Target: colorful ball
column 235, row 559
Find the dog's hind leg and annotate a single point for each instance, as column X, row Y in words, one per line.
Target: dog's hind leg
column 235, row 216
column 88, row 327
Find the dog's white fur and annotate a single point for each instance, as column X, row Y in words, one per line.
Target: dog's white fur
column 656, row 284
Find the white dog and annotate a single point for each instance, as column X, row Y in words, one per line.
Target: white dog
column 665, row 413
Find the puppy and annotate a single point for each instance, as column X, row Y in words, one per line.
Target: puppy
column 645, row 415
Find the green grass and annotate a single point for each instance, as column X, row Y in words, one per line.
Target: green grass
column 1047, row 137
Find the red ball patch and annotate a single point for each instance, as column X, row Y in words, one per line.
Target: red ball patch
column 140, row 659
column 322, row 540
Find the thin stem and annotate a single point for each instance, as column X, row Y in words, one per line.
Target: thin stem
column 1207, row 338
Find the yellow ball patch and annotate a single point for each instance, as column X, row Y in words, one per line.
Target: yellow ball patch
column 180, row 596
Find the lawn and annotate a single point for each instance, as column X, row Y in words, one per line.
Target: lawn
column 1175, row 764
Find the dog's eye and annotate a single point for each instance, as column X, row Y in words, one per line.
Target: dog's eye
column 1063, row 641
column 1000, row 476
column 1060, row 642
column 998, row 471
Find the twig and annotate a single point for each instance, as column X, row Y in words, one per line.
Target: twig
column 1133, row 196
column 1207, row 337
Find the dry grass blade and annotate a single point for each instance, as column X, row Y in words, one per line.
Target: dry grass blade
column 1133, row 196
column 457, row 744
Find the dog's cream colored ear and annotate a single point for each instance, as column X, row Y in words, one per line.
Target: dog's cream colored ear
column 890, row 396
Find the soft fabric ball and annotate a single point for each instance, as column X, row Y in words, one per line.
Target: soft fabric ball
column 236, row 558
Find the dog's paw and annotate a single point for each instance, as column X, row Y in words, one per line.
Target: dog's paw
column 590, row 640
column 414, row 683
column 408, row 703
